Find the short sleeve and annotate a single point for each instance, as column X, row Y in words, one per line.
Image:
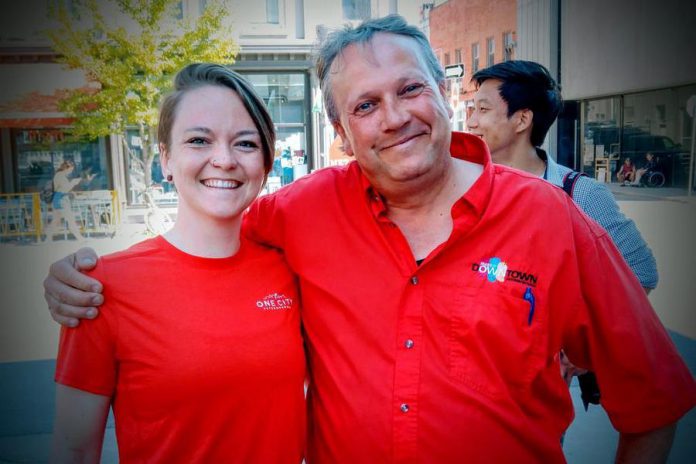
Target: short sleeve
column 264, row 223
column 616, row 333
column 87, row 354
column 598, row 202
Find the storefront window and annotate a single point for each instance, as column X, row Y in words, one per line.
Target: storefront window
column 633, row 125
column 39, row 152
column 657, row 122
column 162, row 192
column 286, row 97
column 602, row 132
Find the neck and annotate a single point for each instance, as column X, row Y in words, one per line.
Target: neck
column 424, row 214
column 523, row 157
column 205, row 237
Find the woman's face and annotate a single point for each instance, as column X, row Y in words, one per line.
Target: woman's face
column 215, row 157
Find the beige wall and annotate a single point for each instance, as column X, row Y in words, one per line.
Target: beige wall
column 626, row 45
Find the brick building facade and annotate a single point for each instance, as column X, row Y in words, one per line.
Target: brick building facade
column 473, row 34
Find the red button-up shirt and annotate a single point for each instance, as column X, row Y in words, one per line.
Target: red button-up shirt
column 456, row 360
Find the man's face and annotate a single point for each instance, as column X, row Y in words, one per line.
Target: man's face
column 393, row 116
column 490, row 121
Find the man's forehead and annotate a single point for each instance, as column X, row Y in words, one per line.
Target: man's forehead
column 488, row 91
column 376, row 50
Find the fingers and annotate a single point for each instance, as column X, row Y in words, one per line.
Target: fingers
column 69, row 315
column 71, row 295
column 66, row 273
column 84, row 259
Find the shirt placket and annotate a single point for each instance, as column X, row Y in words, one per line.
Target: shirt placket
column 408, row 345
column 407, row 372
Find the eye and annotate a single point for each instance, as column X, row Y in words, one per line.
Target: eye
column 197, row 141
column 247, row 144
column 414, row 89
column 364, row 108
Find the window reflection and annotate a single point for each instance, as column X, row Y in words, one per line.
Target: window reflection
column 633, row 125
column 40, row 151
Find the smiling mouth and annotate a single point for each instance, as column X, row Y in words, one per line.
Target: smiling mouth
column 402, row 141
column 221, row 184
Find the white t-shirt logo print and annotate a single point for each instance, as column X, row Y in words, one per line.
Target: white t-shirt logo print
column 274, row 302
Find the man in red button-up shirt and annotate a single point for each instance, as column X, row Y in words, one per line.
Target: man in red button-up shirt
column 435, row 303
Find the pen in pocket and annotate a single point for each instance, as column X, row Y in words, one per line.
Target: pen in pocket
column 529, row 296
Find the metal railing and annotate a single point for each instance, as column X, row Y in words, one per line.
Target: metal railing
column 25, row 215
column 20, row 215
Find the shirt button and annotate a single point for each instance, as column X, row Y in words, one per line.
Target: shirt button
column 414, row 280
column 408, row 343
column 404, row 407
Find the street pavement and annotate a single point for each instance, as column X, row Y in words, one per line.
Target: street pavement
column 28, row 337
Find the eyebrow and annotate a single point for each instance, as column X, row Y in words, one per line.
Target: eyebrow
column 401, row 81
column 207, row 130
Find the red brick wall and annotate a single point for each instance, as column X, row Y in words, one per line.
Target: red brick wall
column 460, row 23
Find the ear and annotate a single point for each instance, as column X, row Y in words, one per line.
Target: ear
column 164, row 160
column 342, row 133
column 443, row 91
column 524, row 120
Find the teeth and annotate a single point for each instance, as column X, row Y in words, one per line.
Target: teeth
column 219, row 183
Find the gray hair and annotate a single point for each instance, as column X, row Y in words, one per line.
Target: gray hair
column 338, row 40
column 198, row 75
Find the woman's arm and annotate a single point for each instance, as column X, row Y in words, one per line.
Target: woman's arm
column 78, row 429
column 74, row 182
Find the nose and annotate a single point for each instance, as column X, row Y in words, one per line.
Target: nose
column 395, row 114
column 472, row 121
column 224, row 157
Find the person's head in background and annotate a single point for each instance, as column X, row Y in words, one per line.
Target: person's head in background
column 515, row 104
column 67, row 165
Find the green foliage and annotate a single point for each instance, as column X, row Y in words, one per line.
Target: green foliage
column 129, row 51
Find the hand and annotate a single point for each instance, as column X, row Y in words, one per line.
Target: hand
column 569, row 370
column 71, row 295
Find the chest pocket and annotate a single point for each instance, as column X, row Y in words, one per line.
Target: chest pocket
column 496, row 339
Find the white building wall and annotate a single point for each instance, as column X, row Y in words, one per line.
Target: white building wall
column 624, row 46
column 537, row 40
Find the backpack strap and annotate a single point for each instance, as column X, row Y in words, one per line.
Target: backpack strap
column 589, row 389
column 569, row 181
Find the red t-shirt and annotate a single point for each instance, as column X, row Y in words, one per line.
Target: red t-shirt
column 203, row 357
column 447, row 361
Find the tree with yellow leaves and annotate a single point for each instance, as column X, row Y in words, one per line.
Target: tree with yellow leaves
column 129, row 51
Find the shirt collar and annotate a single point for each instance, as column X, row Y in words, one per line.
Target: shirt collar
column 551, row 174
column 463, row 146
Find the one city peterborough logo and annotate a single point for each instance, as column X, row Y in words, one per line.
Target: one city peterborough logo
column 496, row 270
column 274, row 302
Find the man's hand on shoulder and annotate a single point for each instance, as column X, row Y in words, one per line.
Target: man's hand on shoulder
column 69, row 293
